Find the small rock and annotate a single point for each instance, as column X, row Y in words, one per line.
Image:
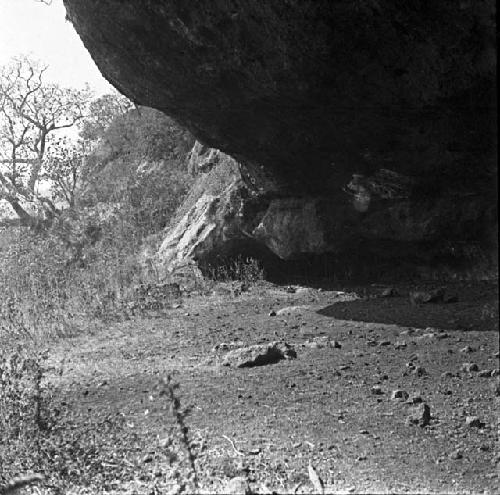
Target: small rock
column 421, row 415
column 442, row 335
column 384, row 342
column 239, row 486
column 147, row 458
column 447, row 374
column 389, row 292
column 495, row 372
column 495, row 387
column 457, row 454
column 467, row 349
column 335, row 344
column 420, row 371
column 425, row 297
column 312, row 344
column 165, row 442
column 400, row 345
column 363, row 432
column 271, row 313
column 416, row 399
column 484, row 373
column 399, row 394
column 376, row 390
column 450, row 298
column 473, row 422
column 470, row 367
column 259, row 355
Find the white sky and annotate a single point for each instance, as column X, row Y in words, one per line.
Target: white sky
column 32, row 28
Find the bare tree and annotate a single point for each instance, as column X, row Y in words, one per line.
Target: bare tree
column 31, row 110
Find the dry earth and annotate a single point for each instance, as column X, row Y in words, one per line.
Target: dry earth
column 331, row 406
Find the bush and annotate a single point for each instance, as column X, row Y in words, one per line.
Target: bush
column 246, row 270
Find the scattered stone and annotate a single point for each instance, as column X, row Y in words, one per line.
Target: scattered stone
column 400, row 345
column 420, row 371
column 376, row 390
column 447, row 374
column 473, row 422
column 372, row 343
column 467, row 349
column 147, row 458
column 495, row 387
column 442, row 335
column 470, row 367
column 384, row 342
column 165, row 442
column 409, row 331
column 321, row 342
column 425, row 297
column 389, row 292
column 224, row 346
column 484, row 373
column 457, row 454
column 312, row 344
column 421, row 415
column 289, row 310
column 259, row 355
column 399, row 394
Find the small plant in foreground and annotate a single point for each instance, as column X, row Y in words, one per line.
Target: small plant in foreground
column 187, row 482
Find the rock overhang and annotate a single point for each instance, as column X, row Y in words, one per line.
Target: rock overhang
column 312, row 89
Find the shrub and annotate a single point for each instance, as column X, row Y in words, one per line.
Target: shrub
column 246, row 270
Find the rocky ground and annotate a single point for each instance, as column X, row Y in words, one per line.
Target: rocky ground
column 383, row 395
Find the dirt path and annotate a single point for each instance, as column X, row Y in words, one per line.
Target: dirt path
column 331, row 406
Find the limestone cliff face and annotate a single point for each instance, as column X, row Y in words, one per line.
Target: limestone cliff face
column 320, row 101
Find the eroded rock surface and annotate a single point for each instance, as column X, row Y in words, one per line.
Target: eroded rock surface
column 355, row 124
column 234, row 208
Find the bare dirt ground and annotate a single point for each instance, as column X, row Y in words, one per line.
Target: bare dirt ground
column 332, row 406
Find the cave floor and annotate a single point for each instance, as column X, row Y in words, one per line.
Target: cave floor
column 269, row 422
